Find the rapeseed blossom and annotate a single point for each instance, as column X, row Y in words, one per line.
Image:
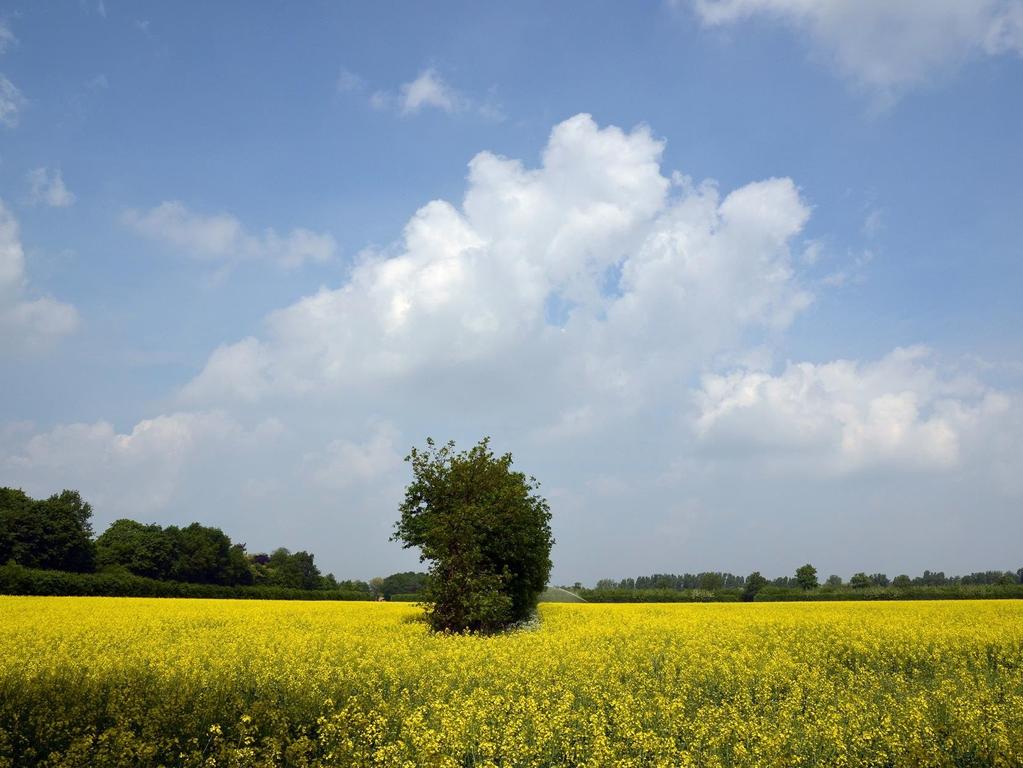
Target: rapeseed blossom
column 148, row 682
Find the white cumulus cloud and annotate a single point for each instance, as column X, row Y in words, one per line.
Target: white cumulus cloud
column 221, row 237
column 845, row 416
column 692, row 271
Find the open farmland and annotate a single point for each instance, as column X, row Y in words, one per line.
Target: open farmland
column 140, row 682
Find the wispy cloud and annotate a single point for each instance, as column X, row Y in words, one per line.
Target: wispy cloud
column 221, row 237
column 429, row 90
column 7, row 38
column 887, row 47
column 349, row 82
column 48, row 188
column 11, row 103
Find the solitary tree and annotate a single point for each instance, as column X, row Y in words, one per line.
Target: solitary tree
column 485, row 531
column 806, row 576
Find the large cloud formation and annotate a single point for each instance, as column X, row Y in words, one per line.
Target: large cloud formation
column 588, row 261
column 596, row 316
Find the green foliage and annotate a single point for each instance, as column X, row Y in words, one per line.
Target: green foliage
column 118, row 582
column 770, row 594
column 405, row 583
column 702, row 580
column 912, row 592
column 145, row 550
column 196, row 553
column 46, row 533
column 711, row 581
column 859, row 581
column 806, row 576
column 484, row 529
column 55, row 534
column 754, row 583
column 293, row 569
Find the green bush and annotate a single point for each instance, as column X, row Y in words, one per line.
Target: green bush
column 118, row 582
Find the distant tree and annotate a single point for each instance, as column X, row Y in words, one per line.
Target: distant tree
column 406, row 583
column 902, row 581
column 931, row 579
column 1019, row 576
column 603, row 584
column 484, row 529
column 806, row 576
column 376, row 585
column 238, row 571
column 145, row 550
column 53, row 533
column 15, row 515
column 754, row 583
column 859, row 581
column 834, row 580
column 354, row 585
column 711, row 581
column 293, row 569
column 203, row 554
column 328, row 582
column 879, row 579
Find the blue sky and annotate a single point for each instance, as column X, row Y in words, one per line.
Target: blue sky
column 738, row 280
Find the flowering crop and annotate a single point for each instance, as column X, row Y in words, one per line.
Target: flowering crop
column 148, row 682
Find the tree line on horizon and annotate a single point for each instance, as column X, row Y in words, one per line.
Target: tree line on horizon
column 55, row 534
column 804, row 584
column 715, row 580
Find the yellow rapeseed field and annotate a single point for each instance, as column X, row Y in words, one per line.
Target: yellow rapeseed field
column 145, row 682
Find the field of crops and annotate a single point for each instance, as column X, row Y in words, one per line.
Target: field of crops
column 146, row 682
